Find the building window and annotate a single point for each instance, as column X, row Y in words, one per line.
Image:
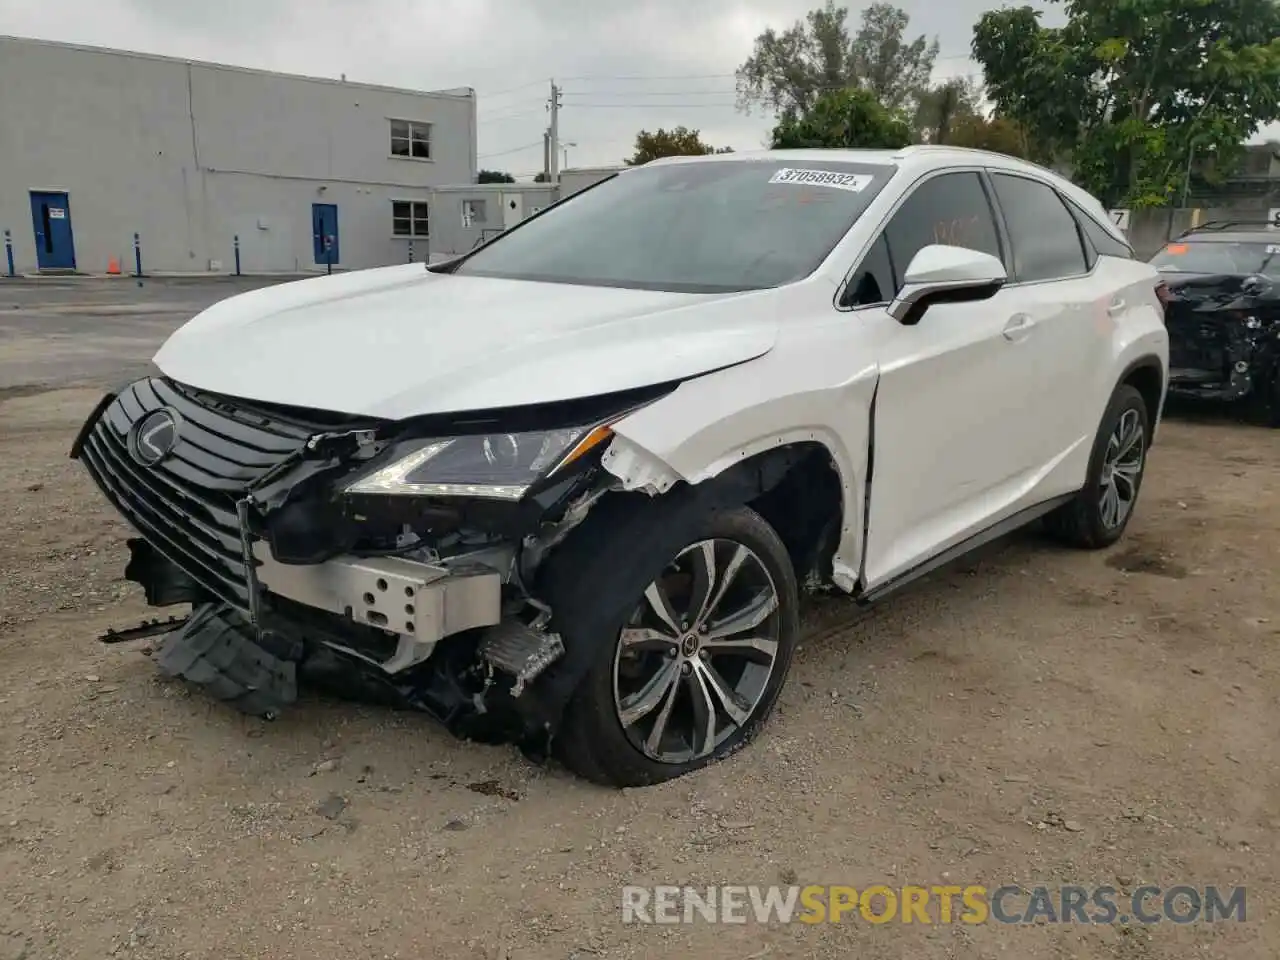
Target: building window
column 409, row 219
column 411, row 138
column 473, row 211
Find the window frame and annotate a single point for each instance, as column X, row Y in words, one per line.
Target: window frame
column 413, row 219
column 1085, row 246
column 423, row 126
column 481, row 220
column 997, row 219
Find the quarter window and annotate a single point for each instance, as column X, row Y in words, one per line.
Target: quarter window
column 951, row 209
column 409, row 219
column 1042, row 232
column 411, row 138
column 1102, row 241
column 873, row 281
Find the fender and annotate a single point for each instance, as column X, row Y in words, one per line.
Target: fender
column 807, row 390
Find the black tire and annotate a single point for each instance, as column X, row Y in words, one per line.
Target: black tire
column 1080, row 522
column 598, row 592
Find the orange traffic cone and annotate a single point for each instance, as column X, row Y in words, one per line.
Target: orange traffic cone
column 113, row 266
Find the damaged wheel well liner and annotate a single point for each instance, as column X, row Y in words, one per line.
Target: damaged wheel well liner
column 794, row 487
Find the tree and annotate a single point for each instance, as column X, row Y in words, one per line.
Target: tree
column 677, row 142
column 942, row 107
column 494, row 176
column 542, row 177
column 843, row 118
column 895, row 71
column 1131, row 92
column 998, row 134
column 790, row 70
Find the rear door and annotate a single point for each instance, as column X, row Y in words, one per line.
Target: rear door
column 1069, row 300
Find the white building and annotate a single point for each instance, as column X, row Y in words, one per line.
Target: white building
column 97, row 145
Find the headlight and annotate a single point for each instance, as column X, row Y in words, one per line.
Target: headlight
column 500, row 466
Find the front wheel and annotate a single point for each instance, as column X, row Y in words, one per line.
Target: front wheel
column 1101, row 511
column 692, row 669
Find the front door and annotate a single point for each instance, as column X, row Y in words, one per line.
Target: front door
column 324, row 230
column 953, row 405
column 51, row 220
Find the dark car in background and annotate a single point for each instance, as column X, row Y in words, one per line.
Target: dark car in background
column 1222, row 308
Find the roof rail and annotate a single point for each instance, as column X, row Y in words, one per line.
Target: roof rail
column 1227, row 225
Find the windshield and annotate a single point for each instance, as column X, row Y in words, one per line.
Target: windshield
column 703, row 227
column 1217, row 256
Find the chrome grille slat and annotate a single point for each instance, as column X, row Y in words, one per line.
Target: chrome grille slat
column 185, row 504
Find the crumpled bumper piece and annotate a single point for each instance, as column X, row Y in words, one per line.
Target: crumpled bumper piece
column 218, row 650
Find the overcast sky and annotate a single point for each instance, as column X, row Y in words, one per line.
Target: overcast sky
column 623, row 65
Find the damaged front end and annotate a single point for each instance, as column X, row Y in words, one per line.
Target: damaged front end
column 387, row 560
column 1224, row 337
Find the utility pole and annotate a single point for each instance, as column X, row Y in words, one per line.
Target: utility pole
column 546, row 156
column 553, row 135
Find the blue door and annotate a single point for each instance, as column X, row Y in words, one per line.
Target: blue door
column 324, row 229
column 51, row 218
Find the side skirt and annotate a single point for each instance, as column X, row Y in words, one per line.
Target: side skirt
column 993, row 532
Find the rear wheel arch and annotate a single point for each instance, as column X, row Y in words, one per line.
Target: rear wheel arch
column 1146, row 374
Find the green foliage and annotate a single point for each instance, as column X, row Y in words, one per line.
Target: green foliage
column 542, row 177
column 1133, row 92
column 942, row 108
column 998, row 134
column 789, row 71
column 677, row 142
column 843, row 118
column 494, row 176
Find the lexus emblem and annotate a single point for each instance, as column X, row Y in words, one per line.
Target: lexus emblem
column 154, row 437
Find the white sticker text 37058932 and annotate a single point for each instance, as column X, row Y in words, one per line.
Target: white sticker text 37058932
column 853, row 182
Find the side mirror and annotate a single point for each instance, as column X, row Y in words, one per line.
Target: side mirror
column 946, row 274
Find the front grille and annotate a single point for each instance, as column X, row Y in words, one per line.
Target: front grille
column 185, row 504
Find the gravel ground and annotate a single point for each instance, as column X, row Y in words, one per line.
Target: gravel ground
column 1029, row 715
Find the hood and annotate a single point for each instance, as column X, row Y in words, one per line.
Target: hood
column 396, row 342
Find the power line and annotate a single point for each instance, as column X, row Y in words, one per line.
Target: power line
column 715, row 76
column 518, row 115
column 503, row 153
column 523, row 86
column 652, row 106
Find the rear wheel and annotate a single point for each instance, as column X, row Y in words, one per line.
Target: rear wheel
column 692, row 669
column 1101, row 511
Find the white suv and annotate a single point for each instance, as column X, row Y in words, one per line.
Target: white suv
column 567, row 489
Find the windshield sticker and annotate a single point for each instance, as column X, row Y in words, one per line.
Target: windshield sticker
column 1176, row 248
column 853, row 182
column 1273, row 249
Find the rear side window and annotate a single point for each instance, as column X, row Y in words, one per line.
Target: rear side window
column 1043, row 233
column 1100, row 239
column 951, row 209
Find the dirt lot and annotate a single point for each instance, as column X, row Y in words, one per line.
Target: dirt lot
column 1031, row 715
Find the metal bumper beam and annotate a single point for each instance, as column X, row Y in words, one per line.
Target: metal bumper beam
column 421, row 603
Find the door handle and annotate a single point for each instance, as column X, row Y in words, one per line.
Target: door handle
column 1018, row 327
column 1117, row 306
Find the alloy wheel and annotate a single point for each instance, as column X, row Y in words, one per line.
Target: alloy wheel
column 696, row 656
column 1122, row 469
